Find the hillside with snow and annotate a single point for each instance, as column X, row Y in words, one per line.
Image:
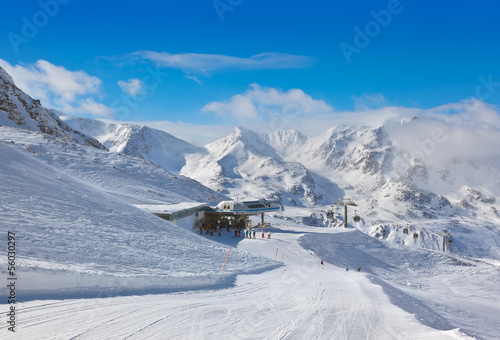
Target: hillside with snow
column 90, row 264
column 71, row 207
column 19, row 110
column 70, row 203
column 139, row 141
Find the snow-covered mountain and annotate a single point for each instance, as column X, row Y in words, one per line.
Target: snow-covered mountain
column 72, row 203
column 371, row 165
column 69, row 203
column 403, row 196
column 243, row 164
column 73, row 208
column 385, row 171
column 19, row 110
column 155, row 145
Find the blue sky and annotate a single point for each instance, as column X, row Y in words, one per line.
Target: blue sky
column 231, row 61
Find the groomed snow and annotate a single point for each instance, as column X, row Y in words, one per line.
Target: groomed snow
column 299, row 300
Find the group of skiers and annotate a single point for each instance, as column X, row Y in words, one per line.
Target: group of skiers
column 249, row 233
column 237, row 233
column 209, row 230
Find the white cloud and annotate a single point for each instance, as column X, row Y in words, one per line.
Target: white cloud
column 193, row 79
column 467, row 130
column 59, row 88
column 268, row 103
column 239, row 106
column 132, row 87
column 194, row 63
column 369, row 101
column 471, row 133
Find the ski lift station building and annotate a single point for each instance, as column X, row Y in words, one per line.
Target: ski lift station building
column 187, row 215
column 192, row 215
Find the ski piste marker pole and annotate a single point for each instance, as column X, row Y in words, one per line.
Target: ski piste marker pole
column 226, row 259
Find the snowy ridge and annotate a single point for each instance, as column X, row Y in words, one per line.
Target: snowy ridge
column 371, row 167
column 5, row 77
column 284, row 141
column 139, row 141
column 243, row 164
column 17, row 109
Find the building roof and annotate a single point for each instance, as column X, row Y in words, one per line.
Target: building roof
column 173, row 211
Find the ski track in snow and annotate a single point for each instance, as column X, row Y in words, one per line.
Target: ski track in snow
column 299, row 300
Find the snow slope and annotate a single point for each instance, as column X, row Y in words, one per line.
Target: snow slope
column 300, row 300
column 140, row 141
column 70, row 207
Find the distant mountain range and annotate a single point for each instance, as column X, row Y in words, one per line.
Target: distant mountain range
column 367, row 164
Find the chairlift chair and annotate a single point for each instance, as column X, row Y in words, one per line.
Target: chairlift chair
column 356, row 217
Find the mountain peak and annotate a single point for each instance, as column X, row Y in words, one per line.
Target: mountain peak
column 5, row 76
column 408, row 120
column 243, row 132
column 19, row 110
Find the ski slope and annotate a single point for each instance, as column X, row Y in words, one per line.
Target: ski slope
column 79, row 236
column 299, row 300
column 92, row 266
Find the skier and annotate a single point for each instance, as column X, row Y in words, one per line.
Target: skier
column 322, row 266
column 218, row 231
column 262, row 233
column 238, row 233
column 269, row 235
column 359, row 269
column 254, row 234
